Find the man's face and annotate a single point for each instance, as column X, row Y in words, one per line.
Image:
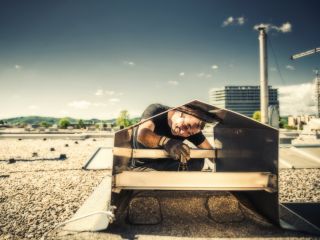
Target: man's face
column 185, row 125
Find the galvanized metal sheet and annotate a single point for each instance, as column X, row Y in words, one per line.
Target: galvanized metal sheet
column 296, row 159
column 241, row 134
column 161, row 180
column 303, row 217
column 254, row 147
column 101, row 159
column 92, row 214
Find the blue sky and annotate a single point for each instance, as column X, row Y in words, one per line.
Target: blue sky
column 89, row 59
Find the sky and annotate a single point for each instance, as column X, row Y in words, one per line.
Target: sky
column 92, row 59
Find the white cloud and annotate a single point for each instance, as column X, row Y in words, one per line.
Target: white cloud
column 297, row 99
column 114, row 100
column 214, row 66
column 233, row 21
column 241, row 20
column 284, row 28
column 181, row 74
column 289, row 67
column 99, row 104
column 173, row 83
column 32, row 107
column 99, row 92
column 129, row 63
column 17, row 66
column 228, row 21
column 63, row 113
column 82, row 104
column 204, row 75
column 110, row 93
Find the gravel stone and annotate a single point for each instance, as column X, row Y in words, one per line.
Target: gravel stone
column 299, row 185
column 38, row 195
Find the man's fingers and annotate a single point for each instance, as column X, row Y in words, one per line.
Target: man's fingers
column 183, row 159
column 186, row 151
column 177, row 149
column 177, row 156
column 186, row 148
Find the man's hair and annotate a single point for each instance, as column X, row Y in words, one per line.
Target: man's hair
column 202, row 123
column 198, row 113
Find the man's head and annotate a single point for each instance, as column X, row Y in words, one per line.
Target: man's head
column 184, row 125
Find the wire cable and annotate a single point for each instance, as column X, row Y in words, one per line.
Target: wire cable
column 276, row 61
column 109, row 215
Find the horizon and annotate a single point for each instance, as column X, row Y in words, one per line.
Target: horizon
column 92, row 60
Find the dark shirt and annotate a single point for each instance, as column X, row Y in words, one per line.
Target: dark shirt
column 162, row 127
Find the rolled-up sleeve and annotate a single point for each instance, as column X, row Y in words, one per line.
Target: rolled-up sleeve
column 197, row 139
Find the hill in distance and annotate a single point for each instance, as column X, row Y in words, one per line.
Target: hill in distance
column 49, row 120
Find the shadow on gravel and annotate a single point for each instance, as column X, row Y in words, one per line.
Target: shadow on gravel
column 192, row 215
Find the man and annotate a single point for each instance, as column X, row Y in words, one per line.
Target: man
column 168, row 131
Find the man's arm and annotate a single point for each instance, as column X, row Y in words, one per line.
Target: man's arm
column 146, row 136
column 175, row 148
column 205, row 145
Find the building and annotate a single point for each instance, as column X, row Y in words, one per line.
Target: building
column 299, row 121
column 241, row 99
column 310, row 135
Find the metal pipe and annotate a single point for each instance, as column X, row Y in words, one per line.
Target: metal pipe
column 264, row 90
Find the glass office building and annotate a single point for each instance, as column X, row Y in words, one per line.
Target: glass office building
column 241, row 99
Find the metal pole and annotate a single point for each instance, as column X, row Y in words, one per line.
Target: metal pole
column 264, row 90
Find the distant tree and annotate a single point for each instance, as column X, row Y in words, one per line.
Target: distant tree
column 44, row 124
column 81, row 124
column 134, row 121
column 1, row 122
column 283, row 122
column 257, row 116
column 64, row 123
column 123, row 119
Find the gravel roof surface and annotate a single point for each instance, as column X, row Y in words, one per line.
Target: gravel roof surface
column 299, row 185
column 37, row 195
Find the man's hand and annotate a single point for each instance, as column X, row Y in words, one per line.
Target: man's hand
column 177, row 149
